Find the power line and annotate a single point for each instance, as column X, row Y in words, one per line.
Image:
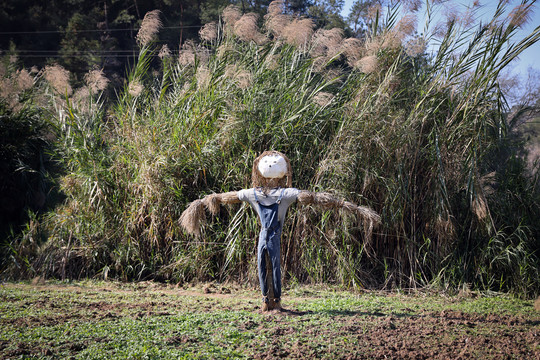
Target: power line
column 39, row 32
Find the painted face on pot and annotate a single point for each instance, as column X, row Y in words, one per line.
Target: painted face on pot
column 273, row 166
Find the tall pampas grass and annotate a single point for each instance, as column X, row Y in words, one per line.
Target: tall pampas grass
column 149, row 28
column 421, row 140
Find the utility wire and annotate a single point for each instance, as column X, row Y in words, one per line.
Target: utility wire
column 39, row 32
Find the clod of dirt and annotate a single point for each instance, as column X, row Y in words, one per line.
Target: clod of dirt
column 176, row 340
column 39, row 280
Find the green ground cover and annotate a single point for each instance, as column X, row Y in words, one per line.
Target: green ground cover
column 104, row 320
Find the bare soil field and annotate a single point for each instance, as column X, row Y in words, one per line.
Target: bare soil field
column 104, row 320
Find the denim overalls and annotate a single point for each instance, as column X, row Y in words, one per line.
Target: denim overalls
column 269, row 240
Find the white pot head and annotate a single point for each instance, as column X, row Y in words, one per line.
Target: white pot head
column 273, row 166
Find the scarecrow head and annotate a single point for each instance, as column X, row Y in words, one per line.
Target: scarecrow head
column 271, row 169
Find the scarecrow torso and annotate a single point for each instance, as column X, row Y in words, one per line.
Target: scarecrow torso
column 289, row 196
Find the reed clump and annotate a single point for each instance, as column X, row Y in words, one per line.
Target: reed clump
column 374, row 121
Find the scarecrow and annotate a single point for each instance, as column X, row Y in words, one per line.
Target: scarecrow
column 270, row 197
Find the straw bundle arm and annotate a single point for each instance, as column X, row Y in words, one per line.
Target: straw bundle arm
column 192, row 218
column 328, row 201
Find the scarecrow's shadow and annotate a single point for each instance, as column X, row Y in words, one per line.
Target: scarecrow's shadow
column 338, row 312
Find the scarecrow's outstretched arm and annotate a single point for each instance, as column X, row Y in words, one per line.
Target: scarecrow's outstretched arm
column 328, row 201
column 194, row 215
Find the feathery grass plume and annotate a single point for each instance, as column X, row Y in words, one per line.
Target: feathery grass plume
column 451, row 14
column 164, row 52
column 374, row 11
column 96, row 80
column 326, row 43
column 323, row 98
column 353, row 50
column 209, row 32
column 468, row 18
column 407, row 25
column 241, row 77
column 203, row 77
column 231, row 14
column 149, row 28
column 24, row 80
column 275, row 20
column 520, row 15
column 58, row 78
column 6, row 88
column 277, row 24
column 81, row 97
column 135, row 88
column 298, row 32
column 247, row 30
column 390, row 40
column 368, row 64
column 415, row 47
column 276, row 7
column 186, row 56
column 224, row 49
column 412, row 5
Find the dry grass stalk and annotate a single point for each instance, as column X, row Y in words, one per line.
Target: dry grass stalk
column 479, row 207
column 149, row 28
column 247, row 30
column 445, row 230
column 209, row 32
column 58, row 78
column 96, row 80
column 323, row 98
